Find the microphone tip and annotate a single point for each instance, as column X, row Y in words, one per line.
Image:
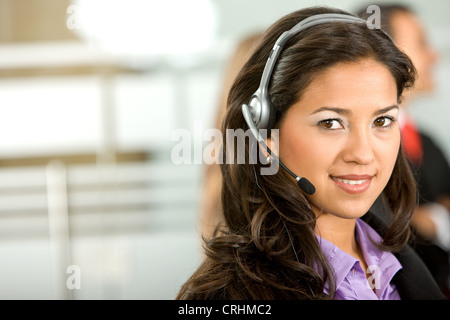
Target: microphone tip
column 306, row 186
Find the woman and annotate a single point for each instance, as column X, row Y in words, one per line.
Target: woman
column 334, row 90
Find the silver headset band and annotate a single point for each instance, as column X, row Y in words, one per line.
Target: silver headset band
column 304, row 24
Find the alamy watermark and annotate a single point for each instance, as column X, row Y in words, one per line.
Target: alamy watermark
column 74, row 280
column 190, row 148
column 373, row 281
column 73, row 20
column 374, row 20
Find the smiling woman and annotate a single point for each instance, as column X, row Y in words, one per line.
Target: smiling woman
column 334, row 86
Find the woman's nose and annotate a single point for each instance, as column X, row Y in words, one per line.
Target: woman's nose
column 359, row 148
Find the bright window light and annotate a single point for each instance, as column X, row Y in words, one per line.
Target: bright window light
column 143, row 27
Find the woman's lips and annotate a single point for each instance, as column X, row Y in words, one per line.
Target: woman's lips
column 353, row 184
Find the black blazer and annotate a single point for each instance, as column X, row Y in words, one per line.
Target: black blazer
column 414, row 281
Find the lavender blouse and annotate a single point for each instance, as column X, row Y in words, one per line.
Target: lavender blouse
column 351, row 280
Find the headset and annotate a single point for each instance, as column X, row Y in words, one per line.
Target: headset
column 260, row 113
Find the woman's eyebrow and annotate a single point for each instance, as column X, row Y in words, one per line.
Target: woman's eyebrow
column 384, row 110
column 344, row 111
column 333, row 109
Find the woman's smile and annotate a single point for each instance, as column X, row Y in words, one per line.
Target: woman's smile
column 353, row 184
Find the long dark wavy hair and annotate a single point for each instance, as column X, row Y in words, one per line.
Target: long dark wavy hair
column 267, row 248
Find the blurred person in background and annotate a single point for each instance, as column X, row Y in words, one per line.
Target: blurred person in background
column 211, row 212
column 431, row 219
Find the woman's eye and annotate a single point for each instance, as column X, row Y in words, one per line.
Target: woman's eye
column 383, row 122
column 330, row 124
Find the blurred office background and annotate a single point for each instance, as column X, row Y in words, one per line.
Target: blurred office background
column 93, row 95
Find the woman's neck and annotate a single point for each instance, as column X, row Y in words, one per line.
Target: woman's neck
column 339, row 231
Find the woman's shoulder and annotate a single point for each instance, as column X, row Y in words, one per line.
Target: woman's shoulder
column 414, row 281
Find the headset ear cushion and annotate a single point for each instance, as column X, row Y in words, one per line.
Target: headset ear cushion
column 272, row 118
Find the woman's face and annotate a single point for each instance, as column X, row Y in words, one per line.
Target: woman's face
column 343, row 136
